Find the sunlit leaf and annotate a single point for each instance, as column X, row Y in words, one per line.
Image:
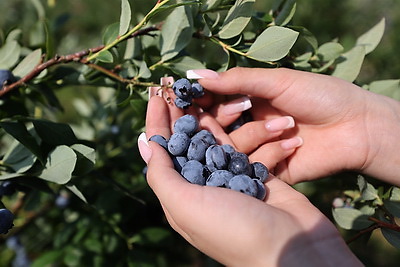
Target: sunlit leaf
column 372, row 37
column 105, row 56
column 237, row 19
column 390, row 88
column 368, row 191
column 330, row 50
column 273, row 44
column 28, row 63
column 125, row 18
column 9, row 54
column 19, row 158
column 111, row 33
column 349, row 64
column 77, row 192
column 60, row 165
column 349, row 218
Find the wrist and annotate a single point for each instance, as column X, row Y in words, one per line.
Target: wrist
column 383, row 129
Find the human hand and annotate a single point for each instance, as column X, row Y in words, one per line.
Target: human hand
column 237, row 230
column 343, row 126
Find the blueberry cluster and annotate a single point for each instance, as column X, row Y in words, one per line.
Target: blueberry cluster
column 185, row 91
column 6, row 221
column 200, row 160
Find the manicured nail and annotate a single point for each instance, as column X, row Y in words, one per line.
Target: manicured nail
column 237, row 106
column 155, row 90
column 144, row 148
column 167, row 81
column 292, row 143
column 280, row 124
column 201, row 73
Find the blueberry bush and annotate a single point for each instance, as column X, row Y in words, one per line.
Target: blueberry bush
column 73, row 91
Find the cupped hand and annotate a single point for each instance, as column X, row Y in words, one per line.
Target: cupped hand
column 237, row 230
column 340, row 123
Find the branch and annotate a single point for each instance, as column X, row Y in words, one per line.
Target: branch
column 80, row 57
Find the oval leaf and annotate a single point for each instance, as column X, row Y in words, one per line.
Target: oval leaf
column 237, row 19
column 273, row 44
column 125, row 18
column 60, row 165
column 349, row 64
column 9, row 54
column 330, row 50
column 371, row 38
column 176, row 32
column 105, row 56
column 393, row 237
column 351, row 219
column 28, row 63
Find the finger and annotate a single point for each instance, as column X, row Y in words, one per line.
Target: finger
column 157, row 118
column 208, row 122
column 270, row 154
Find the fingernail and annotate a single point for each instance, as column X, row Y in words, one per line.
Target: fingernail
column 167, row 81
column 280, row 124
column 154, row 91
column 237, row 106
column 201, row 73
column 144, row 148
column 292, row 143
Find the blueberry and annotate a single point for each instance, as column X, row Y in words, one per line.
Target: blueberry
column 243, row 183
column 261, row 190
column 197, row 149
column 259, row 171
column 216, row 156
column 6, row 77
column 229, row 150
column 178, row 144
column 207, row 136
column 239, row 164
column 179, row 161
column 183, row 104
column 6, row 221
column 219, row 178
column 182, row 89
column 187, row 124
column 159, row 139
column 198, row 90
column 195, row 172
column 7, row 188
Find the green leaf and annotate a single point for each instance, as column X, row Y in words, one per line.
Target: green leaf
column 210, row 4
column 144, row 71
column 48, row 258
column 393, row 237
column 76, row 192
column 125, row 18
column 9, row 54
column 238, row 17
column 86, row 159
column 286, row 12
column 351, row 219
column 54, row 133
column 111, row 33
column 19, row 131
column 330, row 50
column 395, row 194
column 368, row 191
column 60, row 165
column 393, row 207
column 182, row 64
column 273, row 44
column 6, row 176
column 390, row 88
column 371, row 38
column 349, row 64
column 19, row 158
column 105, row 56
column 176, row 32
column 28, row 63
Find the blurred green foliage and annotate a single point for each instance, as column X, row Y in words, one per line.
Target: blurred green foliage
column 123, row 224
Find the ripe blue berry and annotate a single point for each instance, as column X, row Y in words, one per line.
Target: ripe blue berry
column 195, row 172
column 261, row 190
column 239, row 164
column 178, row 144
column 259, row 171
column 6, row 221
column 159, row 139
column 197, row 89
column 219, row 178
column 243, row 183
column 183, row 104
column 216, row 156
column 197, row 149
column 206, row 136
column 7, row 188
column 182, row 89
column 179, row 161
column 6, row 77
column 187, row 124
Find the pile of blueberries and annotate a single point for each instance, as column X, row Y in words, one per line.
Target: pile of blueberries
column 200, row 160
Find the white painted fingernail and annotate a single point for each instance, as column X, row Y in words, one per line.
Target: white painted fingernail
column 237, row 106
column 201, row 73
column 144, row 148
column 292, row 143
column 280, row 124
